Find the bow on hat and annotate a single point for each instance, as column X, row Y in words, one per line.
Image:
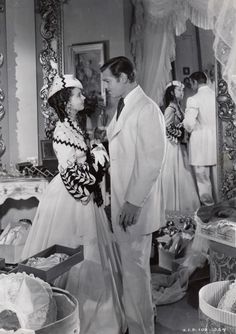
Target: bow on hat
column 63, row 81
column 175, row 83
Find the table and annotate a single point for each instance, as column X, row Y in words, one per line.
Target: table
column 21, row 188
column 19, row 197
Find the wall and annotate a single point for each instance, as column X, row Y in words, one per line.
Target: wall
column 186, row 53
column 100, row 20
column 128, row 12
column 206, row 39
column 22, row 93
column 18, row 78
column 93, row 21
column 4, row 123
column 194, row 50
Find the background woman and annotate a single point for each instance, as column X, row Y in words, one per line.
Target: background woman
column 70, row 213
column 179, row 187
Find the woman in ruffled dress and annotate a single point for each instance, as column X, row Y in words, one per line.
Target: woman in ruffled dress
column 71, row 213
column 180, row 192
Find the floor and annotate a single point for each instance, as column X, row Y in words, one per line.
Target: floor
column 183, row 316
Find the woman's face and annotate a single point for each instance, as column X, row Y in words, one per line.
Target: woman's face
column 179, row 93
column 76, row 102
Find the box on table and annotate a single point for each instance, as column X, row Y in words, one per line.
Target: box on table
column 76, row 255
column 222, row 231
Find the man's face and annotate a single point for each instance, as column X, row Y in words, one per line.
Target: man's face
column 115, row 86
column 194, row 85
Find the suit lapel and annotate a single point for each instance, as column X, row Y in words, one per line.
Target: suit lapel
column 116, row 126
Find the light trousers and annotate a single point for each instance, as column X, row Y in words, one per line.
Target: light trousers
column 206, row 183
column 136, row 277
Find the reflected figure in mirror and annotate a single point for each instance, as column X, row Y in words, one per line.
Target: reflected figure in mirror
column 180, row 192
column 200, row 122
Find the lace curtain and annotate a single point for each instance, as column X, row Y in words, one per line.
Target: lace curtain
column 224, row 14
column 157, row 22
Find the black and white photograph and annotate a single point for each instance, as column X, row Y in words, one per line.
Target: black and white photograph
column 117, row 166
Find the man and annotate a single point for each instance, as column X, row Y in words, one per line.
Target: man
column 200, row 122
column 136, row 137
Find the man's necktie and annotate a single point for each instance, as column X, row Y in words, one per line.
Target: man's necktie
column 120, row 106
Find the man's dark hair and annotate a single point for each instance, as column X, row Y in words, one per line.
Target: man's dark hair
column 200, row 77
column 118, row 65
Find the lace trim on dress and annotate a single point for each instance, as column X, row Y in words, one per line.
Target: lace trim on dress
column 76, row 131
column 68, row 143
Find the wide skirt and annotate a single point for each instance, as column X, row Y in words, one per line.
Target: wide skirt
column 180, row 191
column 96, row 281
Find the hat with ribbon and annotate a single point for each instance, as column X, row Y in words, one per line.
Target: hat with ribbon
column 63, row 81
column 175, row 83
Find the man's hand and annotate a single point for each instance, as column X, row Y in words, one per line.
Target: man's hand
column 129, row 215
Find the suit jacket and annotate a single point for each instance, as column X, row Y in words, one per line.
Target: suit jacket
column 200, row 121
column 137, row 147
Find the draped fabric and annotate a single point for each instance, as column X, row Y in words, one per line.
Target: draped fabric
column 224, row 13
column 159, row 51
column 157, row 22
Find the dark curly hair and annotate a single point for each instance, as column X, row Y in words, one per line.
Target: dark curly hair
column 59, row 101
column 169, row 95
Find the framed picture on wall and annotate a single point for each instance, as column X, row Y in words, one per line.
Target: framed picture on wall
column 47, row 150
column 85, row 62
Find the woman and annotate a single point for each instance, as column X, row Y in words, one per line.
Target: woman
column 180, row 192
column 70, row 214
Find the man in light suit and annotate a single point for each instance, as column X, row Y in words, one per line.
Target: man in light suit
column 136, row 136
column 200, row 122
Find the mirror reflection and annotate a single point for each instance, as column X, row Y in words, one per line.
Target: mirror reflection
column 190, row 176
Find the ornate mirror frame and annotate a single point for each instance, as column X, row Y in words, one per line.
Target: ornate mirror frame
column 51, row 55
column 51, row 59
column 226, row 113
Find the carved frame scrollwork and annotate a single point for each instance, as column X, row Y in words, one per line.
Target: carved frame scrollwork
column 51, row 55
column 226, row 112
column 2, row 93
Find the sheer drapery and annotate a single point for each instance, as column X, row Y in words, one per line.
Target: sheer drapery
column 158, row 22
column 224, row 14
column 161, row 20
column 157, row 56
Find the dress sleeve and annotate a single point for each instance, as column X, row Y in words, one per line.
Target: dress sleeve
column 174, row 132
column 75, row 175
column 98, row 161
column 191, row 114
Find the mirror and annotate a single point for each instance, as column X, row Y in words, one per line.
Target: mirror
column 191, row 147
column 55, row 54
